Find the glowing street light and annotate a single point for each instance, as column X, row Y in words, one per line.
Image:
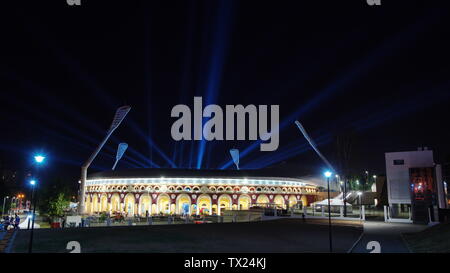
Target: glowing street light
column 328, row 175
column 39, row 159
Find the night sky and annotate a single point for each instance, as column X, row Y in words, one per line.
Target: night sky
column 378, row 72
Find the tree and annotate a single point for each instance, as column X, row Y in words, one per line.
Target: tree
column 58, row 205
column 54, row 198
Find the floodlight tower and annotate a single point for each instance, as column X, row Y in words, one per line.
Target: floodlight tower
column 118, row 118
column 235, row 156
column 313, row 145
column 120, row 151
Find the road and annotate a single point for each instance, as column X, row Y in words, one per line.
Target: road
column 277, row 236
column 388, row 235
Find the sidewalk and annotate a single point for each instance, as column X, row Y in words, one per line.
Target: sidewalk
column 388, row 235
column 5, row 238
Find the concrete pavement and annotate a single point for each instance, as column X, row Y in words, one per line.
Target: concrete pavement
column 388, row 235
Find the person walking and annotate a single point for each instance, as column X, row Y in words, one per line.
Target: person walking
column 16, row 221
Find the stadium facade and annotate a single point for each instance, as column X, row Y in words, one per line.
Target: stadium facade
column 176, row 191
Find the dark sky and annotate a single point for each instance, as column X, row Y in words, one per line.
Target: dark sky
column 379, row 72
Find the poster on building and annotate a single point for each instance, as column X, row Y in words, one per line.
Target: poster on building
column 422, row 184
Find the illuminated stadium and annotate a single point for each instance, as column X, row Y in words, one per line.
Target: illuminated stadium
column 200, row 192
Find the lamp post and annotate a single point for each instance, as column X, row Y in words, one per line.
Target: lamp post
column 327, row 175
column 39, row 159
column 20, row 199
column 4, row 202
column 359, row 198
column 33, row 204
column 367, row 180
column 10, row 205
column 345, row 196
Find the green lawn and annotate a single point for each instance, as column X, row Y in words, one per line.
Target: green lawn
column 435, row 239
column 279, row 236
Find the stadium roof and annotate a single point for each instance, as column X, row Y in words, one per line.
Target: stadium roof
column 159, row 172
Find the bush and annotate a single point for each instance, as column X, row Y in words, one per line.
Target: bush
column 103, row 217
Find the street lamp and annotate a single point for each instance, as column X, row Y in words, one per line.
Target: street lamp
column 19, row 201
column 4, row 202
column 33, row 204
column 359, row 196
column 10, row 205
column 367, row 180
column 338, row 182
column 360, row 203
column 328, row 175
column 39, row 159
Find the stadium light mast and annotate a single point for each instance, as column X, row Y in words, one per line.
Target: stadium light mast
column 118, row 118
column 235, row 156
column 313, row 145
column 120, row 151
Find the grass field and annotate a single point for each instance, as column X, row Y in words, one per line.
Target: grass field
column 278, row 236
column 435, row 239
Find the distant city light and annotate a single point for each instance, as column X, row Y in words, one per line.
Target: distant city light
column 39, row 158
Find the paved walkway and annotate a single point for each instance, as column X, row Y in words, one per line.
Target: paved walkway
column 388, row 235
column 5, row 238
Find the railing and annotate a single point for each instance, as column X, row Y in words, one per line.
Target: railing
column 96, row 221
column 353, row 212
column 400, row 216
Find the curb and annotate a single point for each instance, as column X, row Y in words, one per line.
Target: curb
column 405, row 243
column 357, row 241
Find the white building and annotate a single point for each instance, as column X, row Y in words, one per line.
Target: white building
column 413, row 178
